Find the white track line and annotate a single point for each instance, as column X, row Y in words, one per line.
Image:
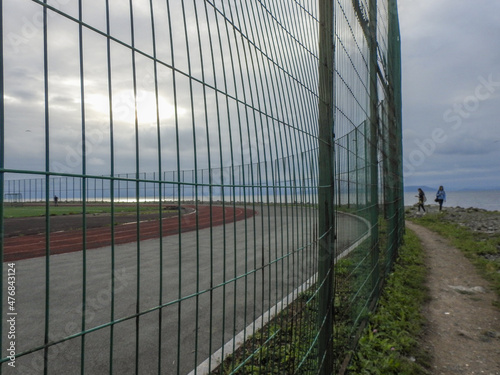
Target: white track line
column 211, row 363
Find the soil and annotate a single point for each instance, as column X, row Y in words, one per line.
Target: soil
column 463, row 330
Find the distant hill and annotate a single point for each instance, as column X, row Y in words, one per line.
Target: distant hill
column 414, row 188
column 480, row 189
column 426, row 189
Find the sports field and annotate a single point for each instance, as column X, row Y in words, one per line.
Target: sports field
column 192, row 292
column 29, row 233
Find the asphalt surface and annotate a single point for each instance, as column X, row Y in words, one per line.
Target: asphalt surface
column 211, row 284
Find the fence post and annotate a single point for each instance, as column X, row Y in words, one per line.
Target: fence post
column 325, row 186
column 2, row 156
column 394, row 68
column 374, row 128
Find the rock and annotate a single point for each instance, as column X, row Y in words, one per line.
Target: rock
column 494, row 335
column 467, row 290
column 488, row 336
column 464, row 334
column 478, row 220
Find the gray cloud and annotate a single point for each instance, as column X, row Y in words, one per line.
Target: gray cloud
column 451, row 90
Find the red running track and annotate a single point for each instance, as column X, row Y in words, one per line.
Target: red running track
column 32, row 246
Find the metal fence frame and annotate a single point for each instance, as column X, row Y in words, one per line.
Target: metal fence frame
column 288, row 110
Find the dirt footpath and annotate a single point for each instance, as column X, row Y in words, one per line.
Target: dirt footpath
column 463, row 331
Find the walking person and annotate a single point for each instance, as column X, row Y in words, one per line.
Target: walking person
column 440, row 197
column 421, row 199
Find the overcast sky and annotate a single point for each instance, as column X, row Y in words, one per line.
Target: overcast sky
column 451, row 92
column 24, row 90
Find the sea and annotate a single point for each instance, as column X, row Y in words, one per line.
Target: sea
column 485, row 199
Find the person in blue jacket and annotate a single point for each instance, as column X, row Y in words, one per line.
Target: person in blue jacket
column 441, row 197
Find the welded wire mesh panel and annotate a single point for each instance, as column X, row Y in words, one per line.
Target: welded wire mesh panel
column 179, row 139
column 168, row 159
column 368, row 159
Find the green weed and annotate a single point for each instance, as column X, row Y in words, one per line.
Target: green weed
column 389, row 344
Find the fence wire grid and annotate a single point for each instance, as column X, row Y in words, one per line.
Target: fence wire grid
column 195, row 186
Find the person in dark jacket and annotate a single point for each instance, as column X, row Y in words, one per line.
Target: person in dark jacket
column 421, row 199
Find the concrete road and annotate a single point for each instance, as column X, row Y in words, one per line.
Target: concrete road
column 211, row 284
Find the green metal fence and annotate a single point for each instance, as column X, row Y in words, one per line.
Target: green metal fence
column 228, row 179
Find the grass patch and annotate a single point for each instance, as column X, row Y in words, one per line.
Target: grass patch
column 284, row 346
column 389, row 344
column 482, row 249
